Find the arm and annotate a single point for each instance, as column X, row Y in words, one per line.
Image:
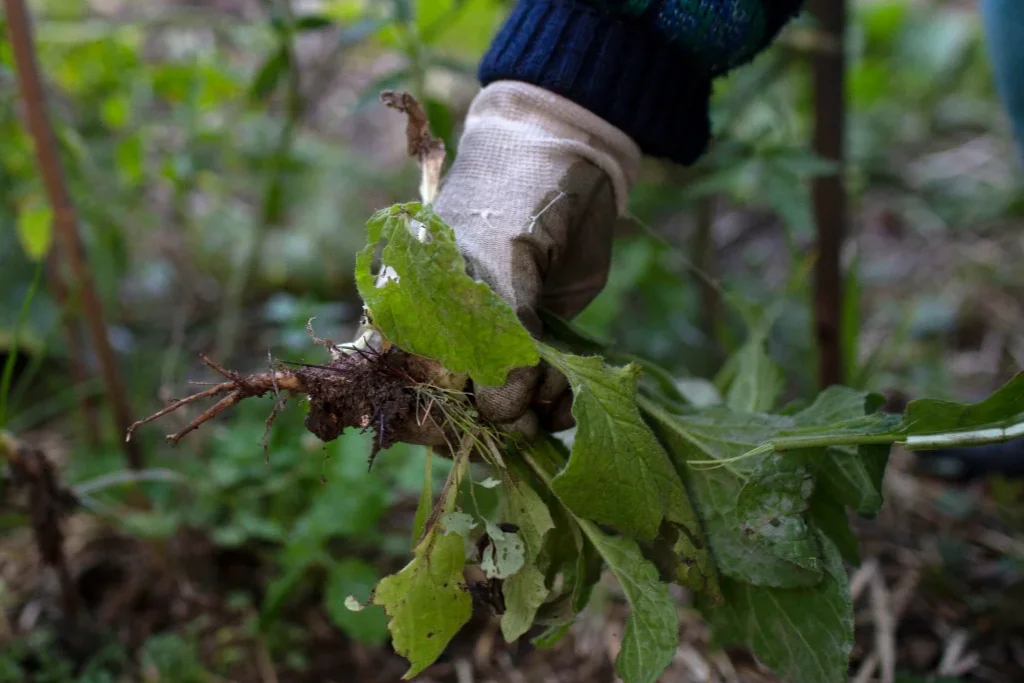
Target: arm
column 574, row 92
column 644, row 66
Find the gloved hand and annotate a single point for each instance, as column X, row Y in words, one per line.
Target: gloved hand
column 533, row 198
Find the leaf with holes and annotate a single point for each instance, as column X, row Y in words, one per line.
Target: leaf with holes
column 526, row 590
column 424, row 301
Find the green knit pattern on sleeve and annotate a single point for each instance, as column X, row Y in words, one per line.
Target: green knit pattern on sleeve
column 720, row 33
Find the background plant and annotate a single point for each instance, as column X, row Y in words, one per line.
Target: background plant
column 171, row 121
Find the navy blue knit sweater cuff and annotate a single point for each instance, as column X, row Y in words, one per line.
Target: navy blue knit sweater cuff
column 616, row 67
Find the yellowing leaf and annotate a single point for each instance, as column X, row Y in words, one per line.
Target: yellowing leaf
column 35, row 228
column 428, row 602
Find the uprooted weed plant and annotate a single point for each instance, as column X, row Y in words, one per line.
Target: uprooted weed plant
column 744, row 507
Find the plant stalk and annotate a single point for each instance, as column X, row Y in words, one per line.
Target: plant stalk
column 65, row 217
column 828, row 191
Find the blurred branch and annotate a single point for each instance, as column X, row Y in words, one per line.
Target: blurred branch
column 828, row 191
column 49, row 503
column 64, row 216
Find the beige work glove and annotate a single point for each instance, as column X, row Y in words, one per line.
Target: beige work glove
column 533, row 198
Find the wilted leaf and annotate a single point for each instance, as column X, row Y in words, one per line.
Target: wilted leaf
column 458, row 523
column 426, row 502
column 428, row 601
column 617, row 473
column 771, row 508
column 429, row 305
column 504, row 553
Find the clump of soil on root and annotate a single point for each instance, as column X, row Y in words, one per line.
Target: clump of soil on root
column 371, row 392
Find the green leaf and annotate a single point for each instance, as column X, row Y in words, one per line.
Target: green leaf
column 526, row 590
column 429, row 306
column 755, row 503
column 569, row 556
column 269, row 75
column 771, row 507
column 758, row 381
column 652, row 631
column 829, row 516
column 718, row 434
column 803, row 634
column 354, row 578
column 131, row 159
column 35, row 228
column 313, row 22
column 931, row 423
column 617, row 473
column 851, row 474
column 428, row 601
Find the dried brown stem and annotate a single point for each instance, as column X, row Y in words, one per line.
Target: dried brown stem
column 65, row 218
column 421, row 145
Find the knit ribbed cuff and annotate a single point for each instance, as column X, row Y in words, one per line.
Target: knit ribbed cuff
column 616, row 67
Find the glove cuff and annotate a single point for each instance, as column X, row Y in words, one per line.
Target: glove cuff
column 515, row 114
column 620, row 69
